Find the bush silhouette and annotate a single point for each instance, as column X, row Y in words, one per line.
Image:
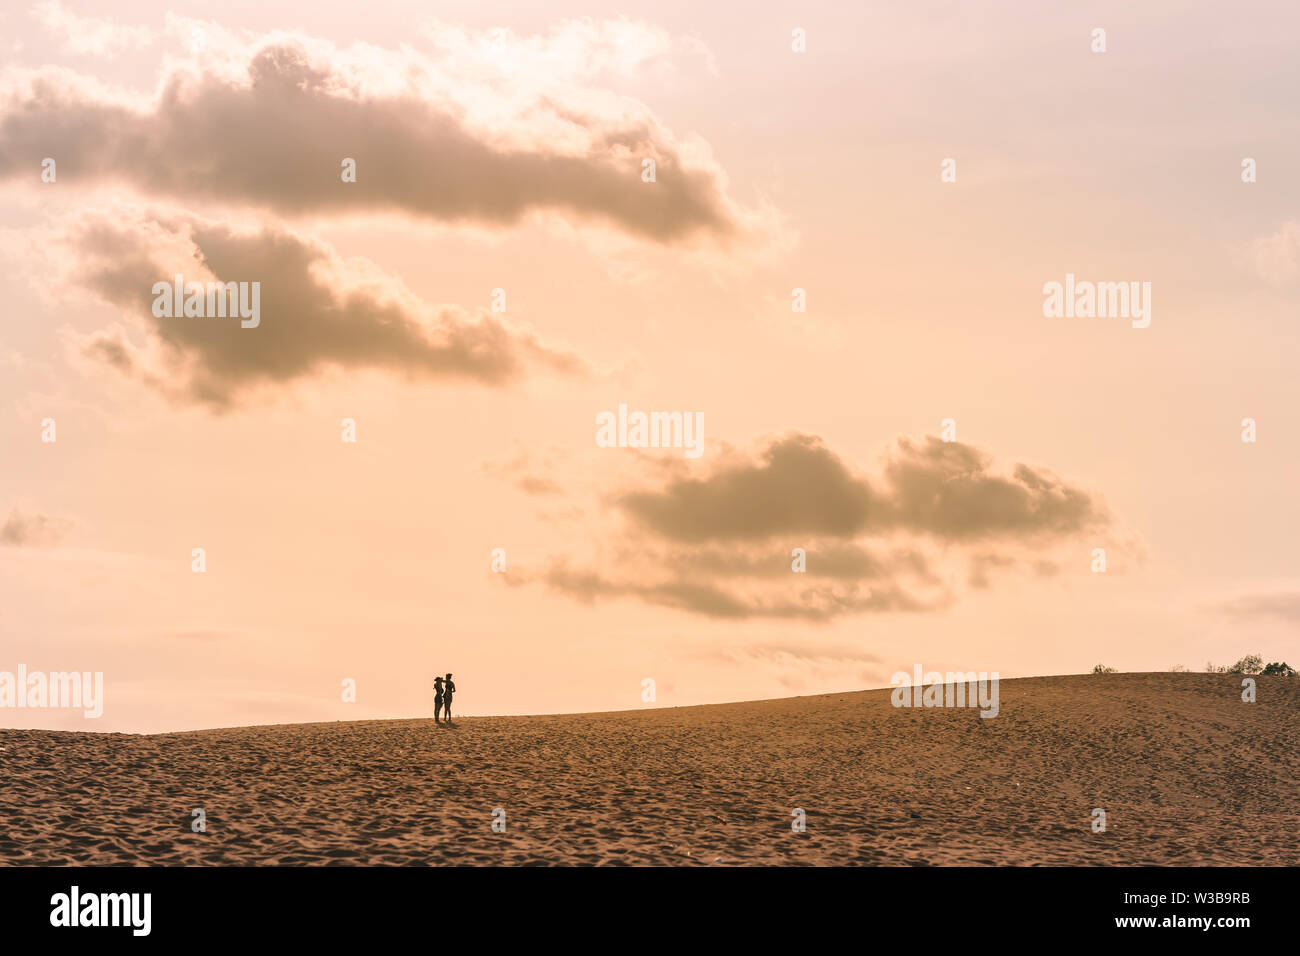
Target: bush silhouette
column 1282, row 669
column 1250, row 664
column 1103, row 669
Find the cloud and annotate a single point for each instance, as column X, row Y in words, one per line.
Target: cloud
column 798, row 486
column 1284, row 605
column 89, row 35
column 946, row 489
column 724, row 545
column 734, row 598
column 35, row 530
column 318, row 310
column 833, row 559
column 449, row 138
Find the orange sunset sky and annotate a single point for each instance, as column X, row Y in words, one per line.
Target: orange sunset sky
column 500, row 146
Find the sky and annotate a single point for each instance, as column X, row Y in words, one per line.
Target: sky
column 839, row 269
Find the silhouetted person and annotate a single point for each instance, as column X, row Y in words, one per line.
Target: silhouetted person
column 448, row 688
column 437, row 697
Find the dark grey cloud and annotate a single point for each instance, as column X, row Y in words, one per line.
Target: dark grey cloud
column 275, row 137
column 946, row 489
column 830, row 559
column 315, row 314
column 798, row 486
column 722, row 545
column 737, row 599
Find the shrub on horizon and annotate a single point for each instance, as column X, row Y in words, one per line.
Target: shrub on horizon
column 1250, row 664
column 1103, row 669
column 1282, row 669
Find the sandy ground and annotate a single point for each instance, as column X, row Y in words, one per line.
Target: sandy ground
column 1186, row 772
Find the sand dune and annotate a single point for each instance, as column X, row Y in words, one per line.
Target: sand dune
column 1186, row 772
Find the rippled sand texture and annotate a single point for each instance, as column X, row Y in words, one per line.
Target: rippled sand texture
column 1186, row 772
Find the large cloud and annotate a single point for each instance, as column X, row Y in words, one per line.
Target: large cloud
column 756, row 584
column 317, row 310
column 724, row 545
column 267, row 123
column 947, row 490
column 797, row 485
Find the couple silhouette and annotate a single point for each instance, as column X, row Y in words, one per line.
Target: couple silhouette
column 442, row 691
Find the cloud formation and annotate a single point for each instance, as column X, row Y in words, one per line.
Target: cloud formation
column 798, row 486
column 730, row 593
column 317, row 311
column 781, row 534
column 446, row 136
column 946, row 489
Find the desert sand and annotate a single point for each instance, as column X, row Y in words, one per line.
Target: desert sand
column 1186, row 772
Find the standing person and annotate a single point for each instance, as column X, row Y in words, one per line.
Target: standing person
column 447, row 690
column 437, row 698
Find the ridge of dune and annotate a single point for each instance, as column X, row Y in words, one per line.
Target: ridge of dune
column 1178, row 761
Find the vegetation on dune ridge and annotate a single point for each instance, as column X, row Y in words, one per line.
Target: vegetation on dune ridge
column 1250, row 664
